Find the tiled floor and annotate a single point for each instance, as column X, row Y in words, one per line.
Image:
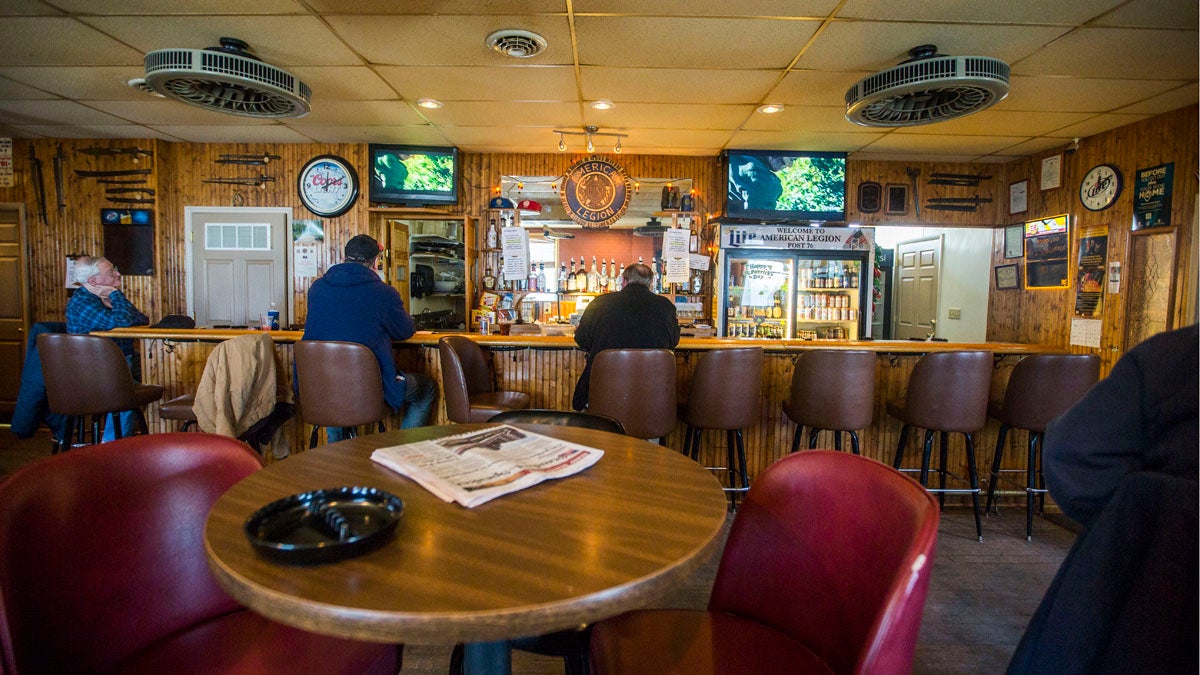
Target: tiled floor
column 980, row 598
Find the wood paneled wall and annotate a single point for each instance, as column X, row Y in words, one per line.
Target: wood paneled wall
column 1044, row 316
column 179, row 171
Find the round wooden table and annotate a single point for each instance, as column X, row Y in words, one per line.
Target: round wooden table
column 554, row 556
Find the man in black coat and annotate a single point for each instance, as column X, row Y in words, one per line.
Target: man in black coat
column 632, row 318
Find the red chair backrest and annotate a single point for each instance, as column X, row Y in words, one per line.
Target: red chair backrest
column 102, row 549
column 834, row 550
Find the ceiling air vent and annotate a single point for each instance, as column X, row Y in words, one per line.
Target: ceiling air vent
column 227, row 79
column 927, row 88
column 140, row 84
column 519, row 44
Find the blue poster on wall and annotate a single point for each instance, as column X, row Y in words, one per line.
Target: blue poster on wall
column 1152, row 197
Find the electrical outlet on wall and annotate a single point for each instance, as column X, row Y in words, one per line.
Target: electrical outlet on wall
column 954, row 313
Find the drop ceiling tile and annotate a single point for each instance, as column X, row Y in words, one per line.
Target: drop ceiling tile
column 771, row 8
column 815, row 88
column 278, row 40
column 27, row 8
column 1032, row 147
column 478, row 83
column 1166, row 102
column 822, row 119
column 944, row 144
column 11, row 89
column 415, row 134
column 25, row 43
column 1070, row 12
column 364, row 113
column 448, row 40
column 52, row 112
column 878, row 45
column 501, row 135
column 801, row 140
column 1077, row 94
column 161, row 111
column 482, row 114
column 640, row 140
column 1097, row 124
column 650, row 85
column 1001, row 123
column 267, row 133
column 472, row 7
column 80, row 82
column 8, row 131
column 688, row 42
column 94, row 131
column 668, row 116
column 343, row 83
column 1153, row 13
column 208, row 7
column 1128, row 53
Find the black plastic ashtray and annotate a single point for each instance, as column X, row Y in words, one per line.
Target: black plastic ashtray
column 324, row 525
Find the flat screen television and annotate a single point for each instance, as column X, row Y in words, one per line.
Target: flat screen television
column 786, row 185
column 413, row 174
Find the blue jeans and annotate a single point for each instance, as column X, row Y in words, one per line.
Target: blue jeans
column 418, row 400
column 128, row 422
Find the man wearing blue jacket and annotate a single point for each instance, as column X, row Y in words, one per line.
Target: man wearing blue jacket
column 352, row 304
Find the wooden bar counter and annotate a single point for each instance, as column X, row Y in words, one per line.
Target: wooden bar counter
column 546, row 367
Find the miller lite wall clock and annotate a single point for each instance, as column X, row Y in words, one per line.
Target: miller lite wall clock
column 595, row 192
column 328, row 186
column 1101, row 187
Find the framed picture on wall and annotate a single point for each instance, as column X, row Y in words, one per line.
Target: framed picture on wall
column 1018, row 196
column 897, row 199
column 1014, row 241
column 1008, row 277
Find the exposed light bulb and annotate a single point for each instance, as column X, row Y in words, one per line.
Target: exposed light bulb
column 590, row 145
column 562, row 144
column 617, row 147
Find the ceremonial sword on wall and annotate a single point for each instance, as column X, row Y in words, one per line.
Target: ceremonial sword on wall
column 60, row 158
column 39, row 184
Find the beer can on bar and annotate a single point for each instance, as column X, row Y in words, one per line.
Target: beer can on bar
column 485, row 326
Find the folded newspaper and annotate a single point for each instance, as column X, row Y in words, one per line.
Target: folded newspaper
column 478, row 466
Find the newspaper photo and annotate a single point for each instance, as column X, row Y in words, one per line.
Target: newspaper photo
column 478, row 466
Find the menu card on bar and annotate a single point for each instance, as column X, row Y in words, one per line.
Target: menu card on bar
column 476, row 467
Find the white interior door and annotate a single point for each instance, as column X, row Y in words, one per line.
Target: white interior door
column 238, row 264
column 918, row 268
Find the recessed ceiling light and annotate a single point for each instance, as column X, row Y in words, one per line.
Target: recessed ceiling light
column 430, row 103
column 770, row 108
column 602, row 104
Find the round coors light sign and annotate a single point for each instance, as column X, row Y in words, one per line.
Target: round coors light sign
column 595, row 192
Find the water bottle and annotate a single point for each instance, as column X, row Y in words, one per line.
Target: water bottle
column 273, row 316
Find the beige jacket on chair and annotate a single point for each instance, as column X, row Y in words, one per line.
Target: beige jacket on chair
column 240, row 385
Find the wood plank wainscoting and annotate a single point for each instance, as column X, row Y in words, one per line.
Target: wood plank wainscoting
column 547, row 370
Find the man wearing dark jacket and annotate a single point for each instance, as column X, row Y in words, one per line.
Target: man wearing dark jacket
column 352, row 304
column 632, row 318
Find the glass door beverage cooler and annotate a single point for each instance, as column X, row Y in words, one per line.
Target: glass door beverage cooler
column 795, row 282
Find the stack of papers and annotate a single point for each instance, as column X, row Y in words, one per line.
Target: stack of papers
column 478, row 466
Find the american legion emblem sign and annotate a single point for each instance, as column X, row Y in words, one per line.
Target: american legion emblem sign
column 595, row 192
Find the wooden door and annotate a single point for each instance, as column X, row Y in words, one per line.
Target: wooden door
column 14, row 307
column 239, row 266
column 397, row 252
column 918, row 269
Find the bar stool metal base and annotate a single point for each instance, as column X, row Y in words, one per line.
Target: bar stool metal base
column 1035, row 484
column 941, row 491
column 734, row 442
column 837, row 439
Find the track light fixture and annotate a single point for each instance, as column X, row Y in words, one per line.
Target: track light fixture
column 590, row 132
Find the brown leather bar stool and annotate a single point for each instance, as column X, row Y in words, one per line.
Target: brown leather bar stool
column 340, row 386
column 636, row 387
column 1041, row 387
column 180, row 410
column 88, row 376
column 832, row 389
column 947, row 393
column 724, row 395
column 470, row 393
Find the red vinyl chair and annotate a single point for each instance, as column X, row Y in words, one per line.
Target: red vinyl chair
column 825, row 570
column 102, row 569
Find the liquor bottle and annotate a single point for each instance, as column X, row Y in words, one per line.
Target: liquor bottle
column 603, row 280
column 489, row 280
column 620, row 281
column 697, row 282
column 654, row 272
column 533, row 278
column 562, row 277
column 593, row 278
column 492, row 236
column 571, row 287
column 581, row 284
column 612, row 270
column 501, row 282
column 541, row 276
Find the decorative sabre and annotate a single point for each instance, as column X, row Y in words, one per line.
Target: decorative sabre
column 60, row 158
column 39, row 184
